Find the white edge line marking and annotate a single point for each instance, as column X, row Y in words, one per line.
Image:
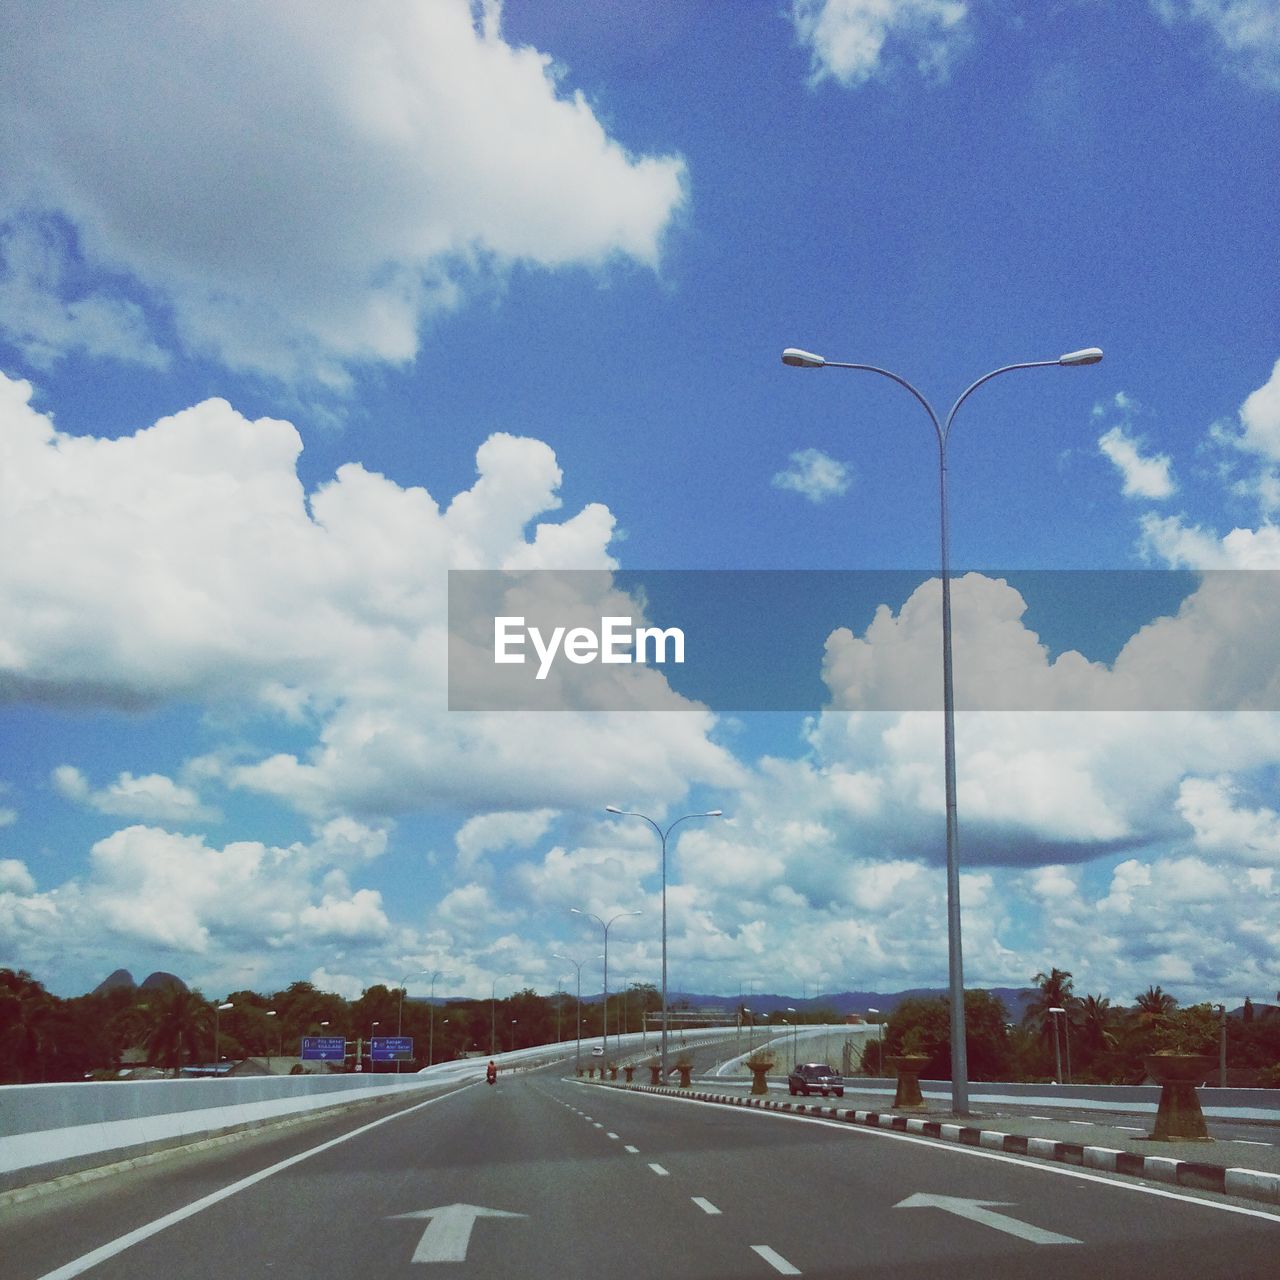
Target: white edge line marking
column 109, row 1250
column 955, row 1148
column 776, row 1260
column 705, row 1205
column 659, row 1170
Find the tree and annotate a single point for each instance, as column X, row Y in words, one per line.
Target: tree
column 1154, row 1003
column 26, row 1025
column 175, row 1024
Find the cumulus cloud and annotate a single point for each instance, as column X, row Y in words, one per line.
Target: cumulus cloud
column 15, row 878
column 814, row 475
column 1225, row 828
column 1247, row 33
column 851, row 41
column 186, row 561
column 325, row 175
column 490, row 832
column 151, row 798
column 1145, row 476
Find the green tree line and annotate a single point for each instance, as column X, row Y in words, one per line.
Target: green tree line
column 1091, row 1041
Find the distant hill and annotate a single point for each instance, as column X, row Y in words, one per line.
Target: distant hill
column 1015, row 1000
column 122, row 978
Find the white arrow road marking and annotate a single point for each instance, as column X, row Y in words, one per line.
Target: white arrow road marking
column 975, row 1211
column 448, row 1232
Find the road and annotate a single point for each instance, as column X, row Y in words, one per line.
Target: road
column 601, row 1182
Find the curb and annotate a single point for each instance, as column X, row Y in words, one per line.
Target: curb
column 1249, row 1184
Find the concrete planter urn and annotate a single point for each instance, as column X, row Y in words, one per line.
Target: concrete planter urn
column 628, row 1072
column 1179, row 1118
column 759, row 1068
column 591, row 1073
column 655, row 1072
column 908, row 1067
column 581, row 1073
column 685, row 1068
column 613, row 1072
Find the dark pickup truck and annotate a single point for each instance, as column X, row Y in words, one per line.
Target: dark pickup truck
column 811, row 1077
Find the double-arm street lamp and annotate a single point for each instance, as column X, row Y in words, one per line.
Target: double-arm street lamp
column 807, row 360
column 431, row 1006
column 493, row 1008
column 662, row 835
column 577, row 965
column 606, row 926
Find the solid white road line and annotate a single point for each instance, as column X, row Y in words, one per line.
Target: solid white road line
column 82, row 1264
column 705, row 1205
column 776, row 1260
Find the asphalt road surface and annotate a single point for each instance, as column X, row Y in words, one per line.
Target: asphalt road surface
column 541, row 1176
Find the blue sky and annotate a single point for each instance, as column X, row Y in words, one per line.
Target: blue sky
column 303, row 305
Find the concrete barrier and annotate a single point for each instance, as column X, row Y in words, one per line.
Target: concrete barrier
column 50, row 1130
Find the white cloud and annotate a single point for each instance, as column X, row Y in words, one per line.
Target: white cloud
column 815, row 475
column 46, row 318
column 326, row 174
column 490, row 832
column 186, row 562
column 1144, row 477
column 14, row 877
column 1247, row 31
column 1189, row 546
column 151, row 798
column 852, row 40
column 1225, row 829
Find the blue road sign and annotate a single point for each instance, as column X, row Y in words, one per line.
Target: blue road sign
column 391, row 1048
column 324, row 1048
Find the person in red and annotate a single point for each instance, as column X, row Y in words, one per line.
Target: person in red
column 491, row 1072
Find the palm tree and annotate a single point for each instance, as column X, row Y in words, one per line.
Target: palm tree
column 1096, row 1019
column 1054, row 993
column 174, row 1021
column 1154, row 1003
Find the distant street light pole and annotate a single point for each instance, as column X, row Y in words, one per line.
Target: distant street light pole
column 271, row 1013
column 662, row 835
column 1222, row 1046
column 795, row 1048
column 218, row 1010
column 807, row 360
column 418, row 973
column 577, row 964
column 604, row 1026
column 1057, row 1044
column 493, row 1012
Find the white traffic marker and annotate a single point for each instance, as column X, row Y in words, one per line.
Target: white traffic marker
column 705, row 1205
column 659, row 1170
column 635, row 1151
column 448, row 1232
column 978, row 1211
column 776, row 1260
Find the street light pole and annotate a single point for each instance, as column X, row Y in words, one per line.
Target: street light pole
column 604, row 1025
column 662, row 835
column 417, row 973
column 807, row 360
column 493, row 1012
column 577, row 1051
column 217, row 1010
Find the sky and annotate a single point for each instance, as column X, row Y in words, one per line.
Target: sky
column 304, row 305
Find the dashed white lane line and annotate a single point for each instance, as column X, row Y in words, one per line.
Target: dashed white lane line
column 635, row 1151
column 776, row 1260
column 597, row 1125
column 614, row 1136
column 659, row 1170
column 705, row 1205
column 1250, row 1142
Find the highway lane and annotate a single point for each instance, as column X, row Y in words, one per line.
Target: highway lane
column 608, row 1182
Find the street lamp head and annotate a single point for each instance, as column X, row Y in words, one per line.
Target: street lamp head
column 803, row 359
column 612, row 808
column 714, row 813
column 1089, row 355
